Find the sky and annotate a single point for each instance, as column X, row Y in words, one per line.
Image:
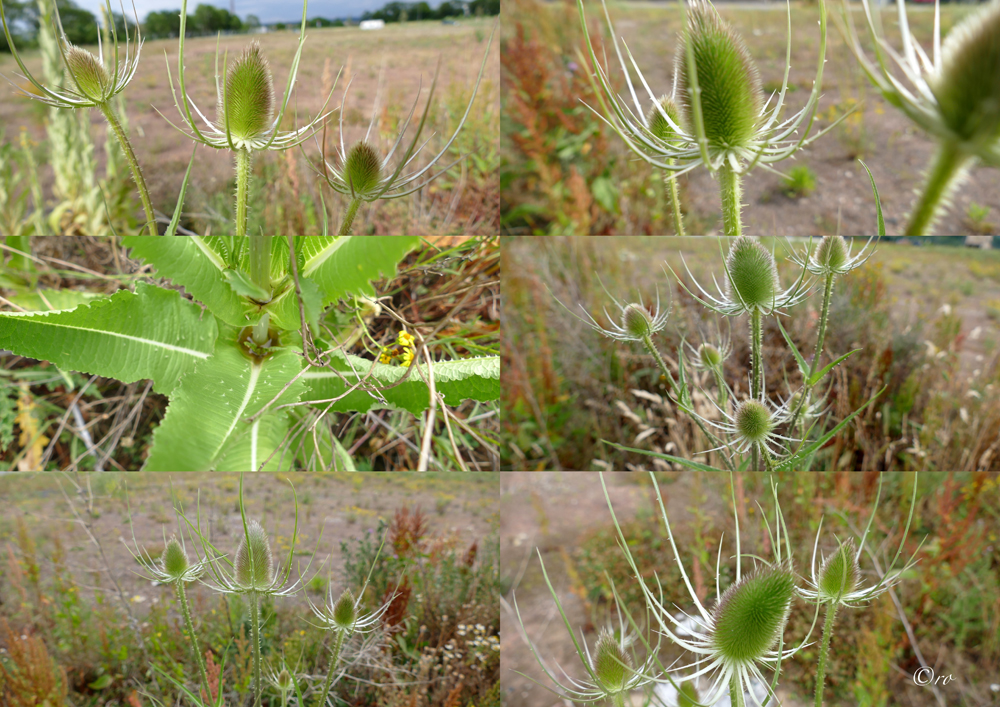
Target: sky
column 266, row 10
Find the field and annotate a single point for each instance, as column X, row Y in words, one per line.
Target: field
column 565, row 172
column 463, row 201
column 99, row 633
column 925, row 319
column 949, row 602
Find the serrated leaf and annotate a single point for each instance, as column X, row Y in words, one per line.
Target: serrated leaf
column 208, row 410
column 191, row 263
column 55, row 300
column 153, row 334
column 258, row 447
column 820, row 375
column 243, row 285
column 472, row 378
column 345, row 265
column 285, row 307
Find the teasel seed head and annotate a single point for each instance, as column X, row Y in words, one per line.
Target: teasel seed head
column 249, row 96
column 752, row 614
column 967, row 88
column 658, row 125
column 832, row 253
column 840, row 573
column 636, row 321
column 752, row 274
column 612, row 663
column 261, row 574
column 174, row 561
column 284, row 680
column 753, row 421
column 709, row 356
column 731, row 95
column 362, row 168
column 90, row 74
column 345, row 613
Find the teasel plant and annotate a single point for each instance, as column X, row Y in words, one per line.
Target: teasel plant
column 952, row 94
column 716, row 115
column 362, row 174
column 248, row 119
column 94, row 82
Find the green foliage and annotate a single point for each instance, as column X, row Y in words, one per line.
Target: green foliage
column 800, row 181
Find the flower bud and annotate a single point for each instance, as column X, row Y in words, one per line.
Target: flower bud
column 91, row 76
column 658, row 125
column 967, row 88
column 636, row 321
column 362, row 168
column 709, row 356
column 258, row 574
column 753, row 275
column 840, row 573
column 752, row 613
column 174, row 561
column 731, row 95
column 831, row 255
column 612, row 663
column 345, row 613
column 284, row 680
column 249, row 97
column 753, row 421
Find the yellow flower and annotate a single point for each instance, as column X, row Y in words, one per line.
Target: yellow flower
column 385, row 357
column 408, row 357
column 405, row 338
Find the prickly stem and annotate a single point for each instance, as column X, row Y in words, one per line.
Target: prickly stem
column 948, row 169
column 352, row 210
column 731, row 193
column 133, row 164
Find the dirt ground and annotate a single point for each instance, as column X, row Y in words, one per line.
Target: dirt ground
column 406, row 53
column 342, row 506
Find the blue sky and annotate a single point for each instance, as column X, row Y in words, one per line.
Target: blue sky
column 266, row 10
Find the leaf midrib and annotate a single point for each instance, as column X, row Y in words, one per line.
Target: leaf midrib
column 148, row 342
column 251, row 386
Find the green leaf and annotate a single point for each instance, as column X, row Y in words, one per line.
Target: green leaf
column 822, row 374
column 471, row 378
column 258, row 447
column 320, row 450
column 208, row 411
column 176, row 218
column 676, row 460
column 103, row 681
column 191, row 263
column 285, row 307
column 243, row 285
column 54, row 300
column 154, row 333
column 345, row 265
column 803, row 366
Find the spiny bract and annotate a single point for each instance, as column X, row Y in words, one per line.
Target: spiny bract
column 363, row 168
column 258, row 574
column 731, row 94
column 840, row 572
column 91, row 76
column 752, row 614
column 753, row 275
column 612, row 663
column 636, row 321
column 174, row 561
column 249, row 96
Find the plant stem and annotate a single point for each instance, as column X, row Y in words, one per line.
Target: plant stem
column 337, row 645
column 831, row 615
column 736, row 698
column 673, row 196
column 260, row 329
column 133, row 164
column 18, row 259
column 260, row 260
column 756, row 372
column 258, row 687
column 186, row 610
column 720, row 383
column 618, row 699
column 820, row 339
column 946, row 170
column 243, row 173
column 731, row 192
column 352, row 210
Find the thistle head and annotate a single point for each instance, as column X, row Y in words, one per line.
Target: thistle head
column 753, row 421
column 91, row 77
column 967, row 86
column 636, row 321
column 612, row 663
column 256, row 573
column 247, row 107
column 731, row 96
column 174, row 561
column 362, row 168
column 709, row 356
column 752, row 614
column 752, row 275
column 345, row 612
column 840, row 573
column 658, row 125
column 832, row 254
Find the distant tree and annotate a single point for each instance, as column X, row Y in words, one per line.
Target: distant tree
column 22, row 18
column 447, row 9
column 421, row 11
column 79, row 25
column 253, row 22
column 163, row 23
column 280, row 26
column 208, row 19
column 485, row 7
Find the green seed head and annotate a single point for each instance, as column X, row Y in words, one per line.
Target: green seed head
column 753, row 276
column 363, row 168
column 710, row 356
column 260, row 573
column 967, row 88
column 840, row 573
column 636, row 321
column 753, row 421
column 612, row 663
column 832, row 253
column 174, row 560
column 344, row 612
column 752, row 613
column 658, row 125
column 731, row 96
column 284, row 680
column 249, row 97
column 91, row 76
column 687, row 695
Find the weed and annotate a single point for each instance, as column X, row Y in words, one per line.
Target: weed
column 800, row 181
